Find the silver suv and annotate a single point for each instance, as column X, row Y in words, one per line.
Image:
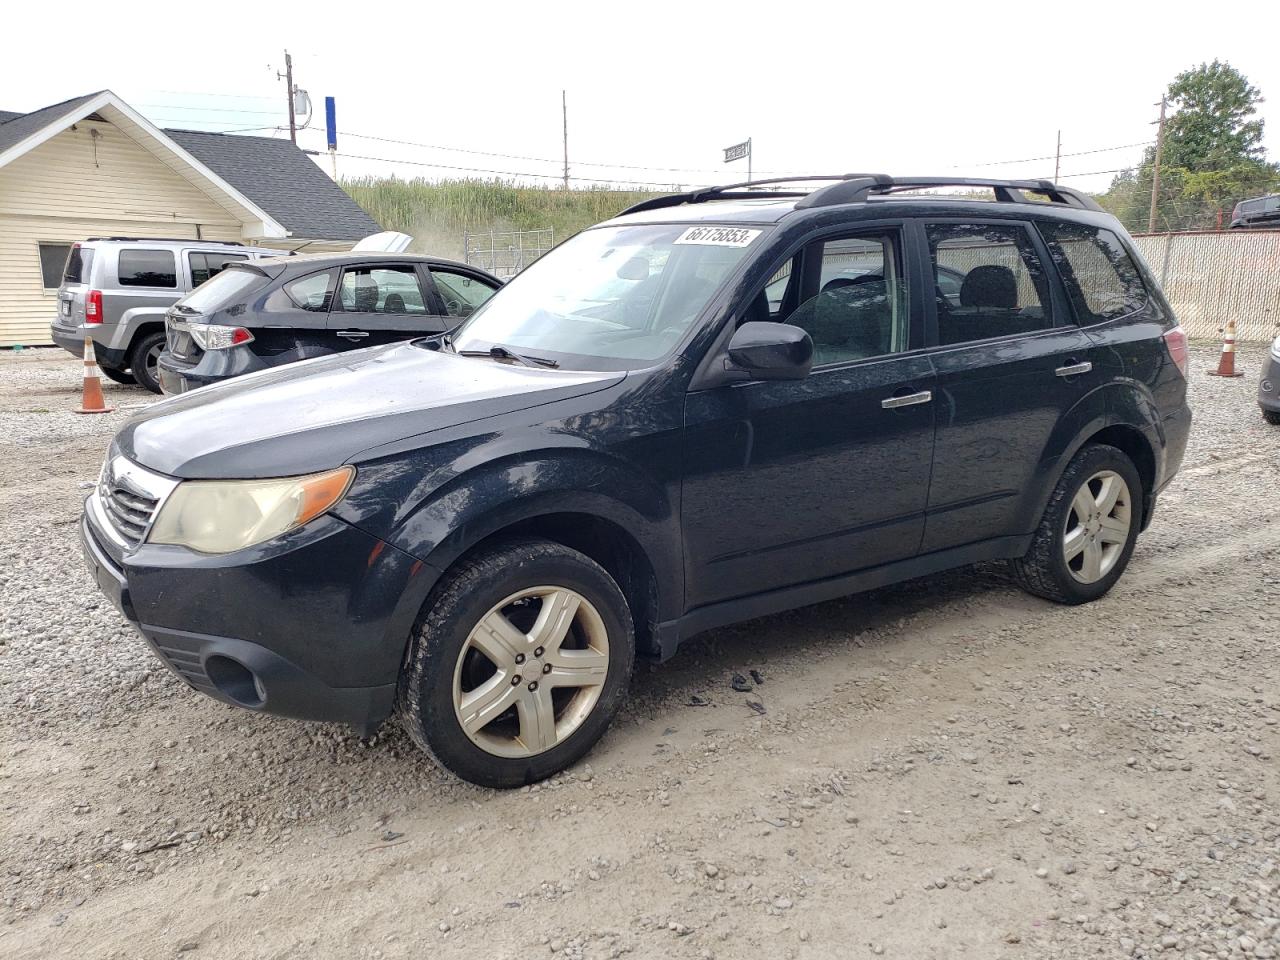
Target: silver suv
column 117, row 290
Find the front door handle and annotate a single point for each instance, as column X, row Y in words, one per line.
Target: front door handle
column 353, row 334
column 909, row 400
column 1073, row 369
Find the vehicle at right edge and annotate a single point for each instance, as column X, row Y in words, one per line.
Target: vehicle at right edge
column 1269, row 385
column 715, row 406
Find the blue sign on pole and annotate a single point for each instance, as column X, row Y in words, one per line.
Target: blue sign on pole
column 331, row 122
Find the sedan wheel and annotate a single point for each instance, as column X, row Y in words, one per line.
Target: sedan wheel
column 1097, row 527
column 531, row 671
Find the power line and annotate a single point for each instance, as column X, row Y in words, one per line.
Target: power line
column 179, row 106
column 1078, row 153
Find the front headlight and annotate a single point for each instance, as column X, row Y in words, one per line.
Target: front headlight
column 219, row 516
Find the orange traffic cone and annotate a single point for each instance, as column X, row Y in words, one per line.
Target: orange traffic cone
column 93, row 401
column 1227, row 362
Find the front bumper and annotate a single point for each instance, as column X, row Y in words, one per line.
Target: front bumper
column 1269, row 384
column 312, row 625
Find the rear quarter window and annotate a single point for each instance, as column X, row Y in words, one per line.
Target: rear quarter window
column 147, row 268
column 1101, row 278
column 79, row 265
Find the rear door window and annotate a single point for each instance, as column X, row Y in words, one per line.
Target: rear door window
column 392, row 290
column 1101, row 278
column 1002, row 287
column 206, row 265
column 147, row 268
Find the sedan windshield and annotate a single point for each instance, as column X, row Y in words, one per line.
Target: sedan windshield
column 610, row 298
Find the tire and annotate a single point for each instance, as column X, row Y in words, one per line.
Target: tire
column 1272, row 417
column 119, row 376
column 1045, row 570
column 445, row 671
column 142, row 360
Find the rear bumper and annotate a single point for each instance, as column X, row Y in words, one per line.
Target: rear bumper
column 1269, row 384
column 71, row 339
column 214, row 366
column 316, row 629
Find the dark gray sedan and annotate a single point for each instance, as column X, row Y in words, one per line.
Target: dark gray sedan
column 259, row 314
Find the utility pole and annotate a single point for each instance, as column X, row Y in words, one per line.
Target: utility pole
column 564, row 116
column 289, row 91
column 1155, row 168
column 1057, row 157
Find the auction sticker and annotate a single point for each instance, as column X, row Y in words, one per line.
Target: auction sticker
column 719, row 236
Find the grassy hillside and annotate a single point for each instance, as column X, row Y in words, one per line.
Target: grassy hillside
column 438, row 213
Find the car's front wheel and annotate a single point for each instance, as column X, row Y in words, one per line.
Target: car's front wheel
column 517, row 663
column 1088, row 530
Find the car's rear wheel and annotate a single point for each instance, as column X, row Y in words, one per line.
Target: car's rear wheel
column 1271, row 416
column 119, row 376
column 517, row 663
column 1088, row 531
column 143, row 360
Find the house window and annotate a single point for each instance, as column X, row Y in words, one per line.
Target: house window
column 53, row 257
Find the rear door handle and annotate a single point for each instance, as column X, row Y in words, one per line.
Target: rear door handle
column 353, row 334
column 910, row 400
column 1072, row 369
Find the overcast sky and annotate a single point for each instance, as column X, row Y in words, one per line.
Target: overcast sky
column 819, row 87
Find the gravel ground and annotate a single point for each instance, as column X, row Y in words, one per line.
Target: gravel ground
column 945, row 768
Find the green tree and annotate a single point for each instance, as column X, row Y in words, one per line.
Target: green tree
column 1213, row 155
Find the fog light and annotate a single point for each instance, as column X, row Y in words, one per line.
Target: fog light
column 1267, row 386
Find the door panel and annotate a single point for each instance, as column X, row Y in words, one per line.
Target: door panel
column 794, row 481
column 1006, row 376
column 381, row 303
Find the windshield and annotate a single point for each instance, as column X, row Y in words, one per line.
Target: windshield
column 610, row 298
column 223, row 286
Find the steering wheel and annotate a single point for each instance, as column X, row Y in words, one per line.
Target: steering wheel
column 454, row 307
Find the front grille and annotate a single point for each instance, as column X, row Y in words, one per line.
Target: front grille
column 127, row 499
column 129, row 512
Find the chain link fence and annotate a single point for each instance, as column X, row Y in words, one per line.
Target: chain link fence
column 506, row 253
column 1210, row 278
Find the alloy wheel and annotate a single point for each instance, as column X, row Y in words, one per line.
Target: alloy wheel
column 531, row 671
column 1097, row 526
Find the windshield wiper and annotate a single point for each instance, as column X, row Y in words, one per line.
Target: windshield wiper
column 499, row 352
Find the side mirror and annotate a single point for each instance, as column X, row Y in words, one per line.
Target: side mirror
column 771, row 351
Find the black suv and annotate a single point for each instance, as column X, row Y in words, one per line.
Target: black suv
column 632, row 442
column 257, row 314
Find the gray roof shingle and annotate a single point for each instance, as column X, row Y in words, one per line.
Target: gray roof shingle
column 273, row 173
column 19, row 126
column 281, row 179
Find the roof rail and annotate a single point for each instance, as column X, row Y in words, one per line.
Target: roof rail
column 221, row 243
column 1006, row 191
column 744, row 191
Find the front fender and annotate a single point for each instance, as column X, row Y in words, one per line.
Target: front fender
column 483, row 491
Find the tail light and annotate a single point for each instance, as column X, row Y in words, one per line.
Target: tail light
column 212, row 336
column 1176, row 341
column 93, row 307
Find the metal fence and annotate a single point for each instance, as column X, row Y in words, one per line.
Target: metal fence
column 506, row 253
column 1212, row 277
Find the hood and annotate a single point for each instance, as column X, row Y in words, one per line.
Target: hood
column 318, row 414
